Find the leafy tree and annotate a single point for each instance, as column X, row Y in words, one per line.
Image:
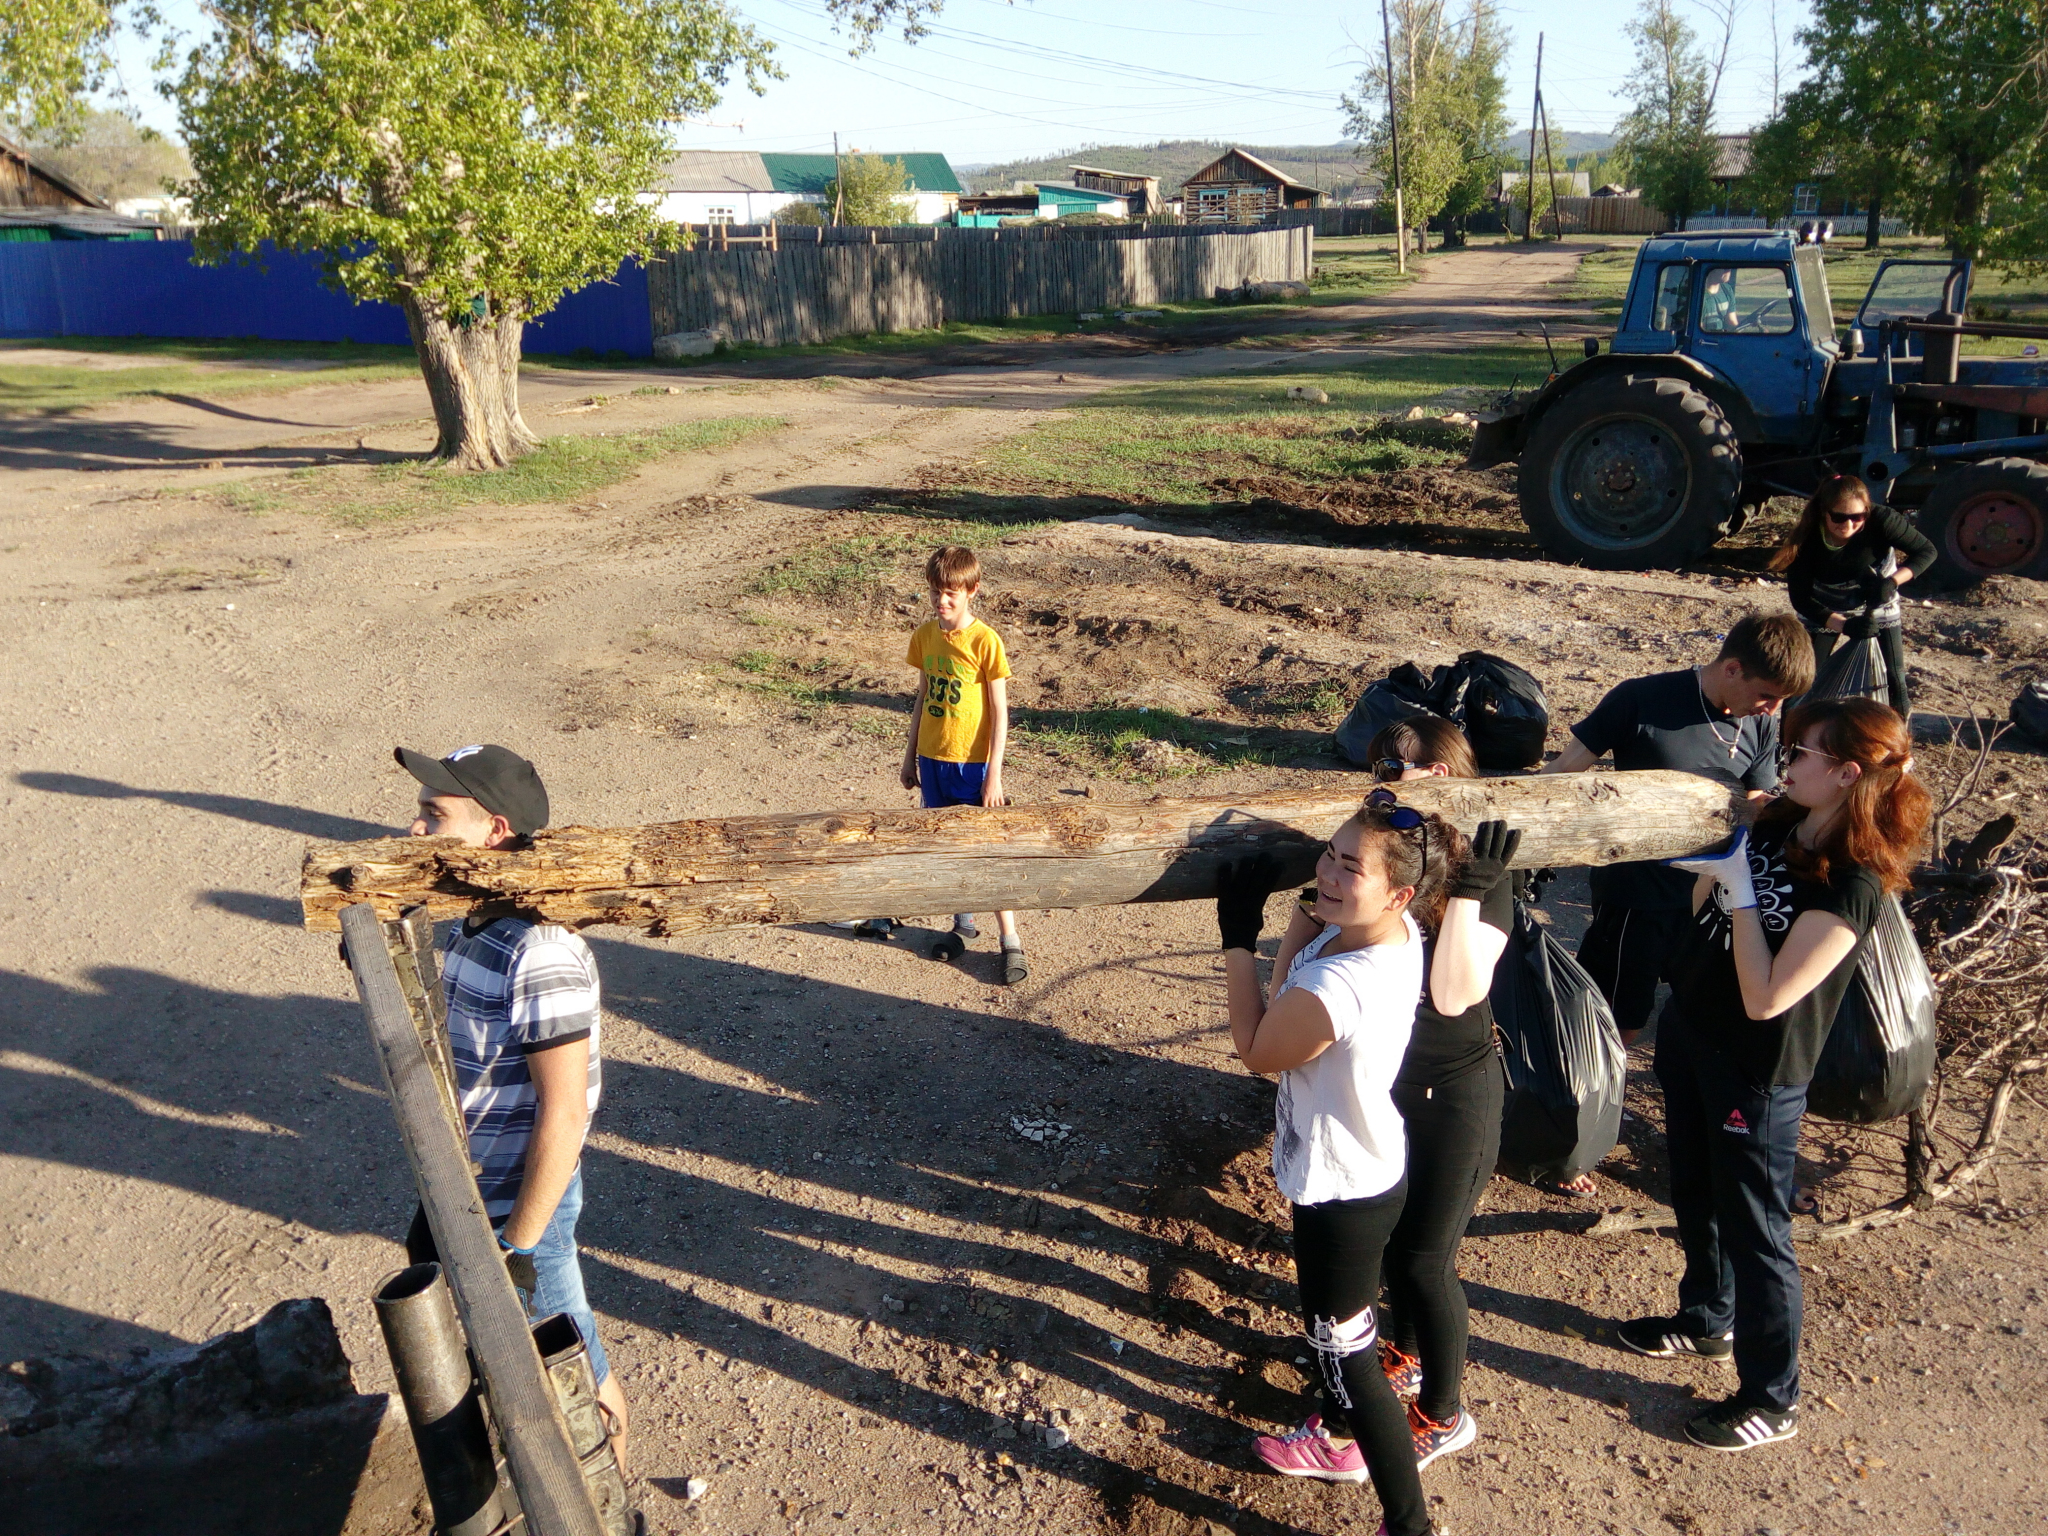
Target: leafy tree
column 1449, row 101
column 51, row 53
column 111, row 155
column 1668, row 136
column 468, row 160
column 809, row 214
column 1935, row 108
column 868, row 190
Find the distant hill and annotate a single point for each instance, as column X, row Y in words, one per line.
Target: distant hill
column 1333, row 168
column 1574, row 143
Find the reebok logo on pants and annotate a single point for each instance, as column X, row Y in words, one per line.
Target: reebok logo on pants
column 1735, row 1125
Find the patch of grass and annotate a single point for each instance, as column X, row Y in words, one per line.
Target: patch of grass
column 1317, row 697
column 206, row 370
column 1602, row 279
column 1115, row 739
column 560, row 469
column 842, row 571
column 1183, row 442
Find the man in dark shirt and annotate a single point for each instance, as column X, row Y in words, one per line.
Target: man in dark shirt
column 1718, row 721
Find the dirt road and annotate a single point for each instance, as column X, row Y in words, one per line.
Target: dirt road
column 835, row 1281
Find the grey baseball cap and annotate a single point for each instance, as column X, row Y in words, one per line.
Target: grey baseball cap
column 496, row 778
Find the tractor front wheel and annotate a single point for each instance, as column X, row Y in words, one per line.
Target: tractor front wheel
column 1988, row 519
column 1631, row 472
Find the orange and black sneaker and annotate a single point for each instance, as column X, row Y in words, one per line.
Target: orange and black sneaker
column 1403, row 1372
column 1434, row 1438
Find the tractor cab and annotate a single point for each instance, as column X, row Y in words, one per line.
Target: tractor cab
column 1752, row 311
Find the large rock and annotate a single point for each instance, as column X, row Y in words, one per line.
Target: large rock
column 260, row 1430
column 1271, row 293
column 677, row 345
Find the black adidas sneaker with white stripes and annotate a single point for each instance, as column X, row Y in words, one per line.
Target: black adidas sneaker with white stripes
column 1662, row 1339
column 1732, row 1426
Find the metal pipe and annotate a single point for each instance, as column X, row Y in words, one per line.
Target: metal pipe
column 566, row 1358
column 428, row 1353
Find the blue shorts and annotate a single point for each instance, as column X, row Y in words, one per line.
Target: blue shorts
column 945, row 783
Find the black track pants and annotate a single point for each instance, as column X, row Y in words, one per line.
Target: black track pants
column 1453, row 1143
column 1337, row 1249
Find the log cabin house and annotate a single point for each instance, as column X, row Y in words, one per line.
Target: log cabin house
column 1238, row 188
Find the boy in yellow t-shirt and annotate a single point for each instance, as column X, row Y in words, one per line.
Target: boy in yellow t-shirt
column 961, row 721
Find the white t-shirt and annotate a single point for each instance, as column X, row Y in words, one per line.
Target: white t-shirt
column 1337, row 1135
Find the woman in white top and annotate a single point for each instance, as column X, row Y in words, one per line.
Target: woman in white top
column 1335, row 1033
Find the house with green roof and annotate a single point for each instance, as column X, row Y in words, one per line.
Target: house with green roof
column 717, row 186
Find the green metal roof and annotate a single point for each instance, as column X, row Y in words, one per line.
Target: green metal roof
column 809, row 173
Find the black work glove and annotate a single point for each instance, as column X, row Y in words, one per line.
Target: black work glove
column 1242, row 886
column 1879, row 590
column 1860, row 627
column 520, row 1267
column 1493, row 849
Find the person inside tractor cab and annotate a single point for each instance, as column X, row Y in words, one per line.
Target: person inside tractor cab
column 1843, row 570
column 1717, row 301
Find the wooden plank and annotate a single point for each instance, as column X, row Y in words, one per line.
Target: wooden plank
column 523, row 1407
column 694, row 876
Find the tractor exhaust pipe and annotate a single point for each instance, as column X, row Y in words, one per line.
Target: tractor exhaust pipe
column 431, row 1358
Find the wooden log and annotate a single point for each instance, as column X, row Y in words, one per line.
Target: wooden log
column 693, row 876
column 523, row 1407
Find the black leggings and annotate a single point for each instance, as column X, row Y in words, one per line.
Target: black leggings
column 1453, row 1143
column 1337, row 1248
column 1891, row 641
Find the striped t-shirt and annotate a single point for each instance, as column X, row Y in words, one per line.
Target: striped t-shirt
column 513, row 986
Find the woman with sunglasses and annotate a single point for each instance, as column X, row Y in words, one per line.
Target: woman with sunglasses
column 1449, row 1090
column 1843, row 573
column 1778, row 922
column 1334, row 1033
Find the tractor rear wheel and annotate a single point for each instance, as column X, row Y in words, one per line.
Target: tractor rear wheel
column 1631, row 472
column 1988, row 519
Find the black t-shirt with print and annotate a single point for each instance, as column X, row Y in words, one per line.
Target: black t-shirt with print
column 1665, row 721
column 1442, row 1049
column 1780, row 1051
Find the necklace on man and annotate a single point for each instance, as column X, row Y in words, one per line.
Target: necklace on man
column 1707, row 710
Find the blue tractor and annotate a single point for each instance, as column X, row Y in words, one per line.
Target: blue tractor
column 1727, row 384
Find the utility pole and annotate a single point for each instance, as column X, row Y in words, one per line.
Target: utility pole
column 1535, row 110
column 1394, row 134
column 839, row 181
column 1550, row 165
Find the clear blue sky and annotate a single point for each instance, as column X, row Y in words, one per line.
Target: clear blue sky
column 997, row 81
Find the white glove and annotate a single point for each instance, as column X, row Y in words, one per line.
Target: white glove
column 1730, row 869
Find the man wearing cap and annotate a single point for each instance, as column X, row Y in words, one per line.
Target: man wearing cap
column 523, row 1025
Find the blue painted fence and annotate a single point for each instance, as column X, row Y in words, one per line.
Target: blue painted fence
column 152, row 288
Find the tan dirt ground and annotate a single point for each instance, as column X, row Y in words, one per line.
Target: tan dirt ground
column 835, row 1282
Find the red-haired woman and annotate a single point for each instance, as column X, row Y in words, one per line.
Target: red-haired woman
column 1843, row 570
column 1778, row 922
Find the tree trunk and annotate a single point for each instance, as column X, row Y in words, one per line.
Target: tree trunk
column 692, row 876
column 1872, row 215
column 471, row 366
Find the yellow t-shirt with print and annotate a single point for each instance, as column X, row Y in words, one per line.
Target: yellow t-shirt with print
column 954, row 724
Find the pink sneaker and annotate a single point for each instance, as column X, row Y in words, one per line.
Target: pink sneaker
column 1307, row 1452
column 1403, row 1372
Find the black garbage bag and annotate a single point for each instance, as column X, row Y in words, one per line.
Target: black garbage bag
column 1566, row 1068
column 1501, row 707
column 1401, row 693
column 1854, row 669
column 1879, row 1055
column 2030, row 712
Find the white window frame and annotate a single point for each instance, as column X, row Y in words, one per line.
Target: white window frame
column 1806, row 197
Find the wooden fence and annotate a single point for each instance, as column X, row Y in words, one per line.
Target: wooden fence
column 820, row 283
column 1595, row 216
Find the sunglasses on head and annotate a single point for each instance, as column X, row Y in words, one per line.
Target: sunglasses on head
column 1386, row 769
column 1402, row 818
